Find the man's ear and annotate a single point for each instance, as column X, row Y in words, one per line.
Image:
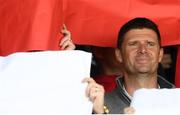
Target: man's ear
column 118, row 55
column 161, row 53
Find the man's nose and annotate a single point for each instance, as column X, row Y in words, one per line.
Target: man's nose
column 142, row 48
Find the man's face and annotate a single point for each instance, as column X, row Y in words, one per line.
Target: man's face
column 141, row 52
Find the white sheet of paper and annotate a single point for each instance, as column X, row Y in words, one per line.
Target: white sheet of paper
column 44, row 83
column 156, row 102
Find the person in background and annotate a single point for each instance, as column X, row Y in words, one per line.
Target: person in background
column 107, row 67
column 167, row 66
column 140, row 52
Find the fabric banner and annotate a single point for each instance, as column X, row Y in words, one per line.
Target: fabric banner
column 34, row 24
column 97, row 22
column 28, row 25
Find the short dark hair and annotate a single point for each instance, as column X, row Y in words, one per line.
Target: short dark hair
column 137, row 23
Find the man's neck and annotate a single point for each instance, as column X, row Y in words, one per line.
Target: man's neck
column 135, row 82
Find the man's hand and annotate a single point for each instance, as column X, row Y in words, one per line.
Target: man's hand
column 129, row 110
column 66, row 42
column 95, row 92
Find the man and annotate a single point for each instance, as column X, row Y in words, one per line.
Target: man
column 139, row 51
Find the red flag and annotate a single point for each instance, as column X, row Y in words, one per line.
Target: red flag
column 97, row 22
column 29, row 25
column 34, row 24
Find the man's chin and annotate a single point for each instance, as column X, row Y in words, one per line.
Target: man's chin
column 143, row 70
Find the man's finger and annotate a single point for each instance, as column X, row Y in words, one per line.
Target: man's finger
column 63, row 40
column 88, row 80
column 64, row 26
column 129, row 110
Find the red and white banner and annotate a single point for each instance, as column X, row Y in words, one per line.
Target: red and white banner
column 28, row 25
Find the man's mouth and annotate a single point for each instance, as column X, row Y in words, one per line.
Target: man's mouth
column 142, row 60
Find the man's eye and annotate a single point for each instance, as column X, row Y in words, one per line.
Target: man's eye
column 151, row 43
column 132, row 43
